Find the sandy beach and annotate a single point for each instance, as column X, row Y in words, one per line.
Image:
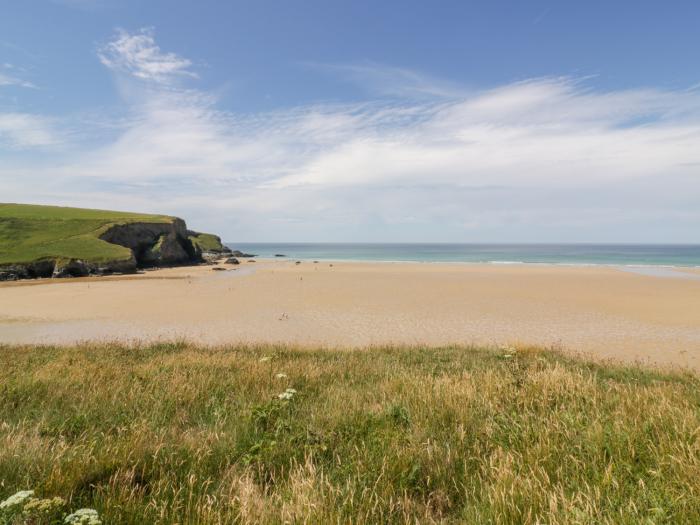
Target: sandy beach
column 603, row 311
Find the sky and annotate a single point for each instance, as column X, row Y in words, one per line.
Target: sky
column 360, row 121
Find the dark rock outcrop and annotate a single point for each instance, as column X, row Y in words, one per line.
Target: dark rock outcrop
column 167, row 250
column 122, row 266
column 238, row 253
column 70, row 268
column 33, row 270
column 154, row 244
column 65, row 268
column 232, row 260
column 212, row 257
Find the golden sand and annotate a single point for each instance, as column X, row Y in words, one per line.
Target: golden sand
column 597, row 310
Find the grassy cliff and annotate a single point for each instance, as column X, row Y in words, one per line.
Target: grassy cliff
column 207, row 242
column 30, row 234
column 173, row 433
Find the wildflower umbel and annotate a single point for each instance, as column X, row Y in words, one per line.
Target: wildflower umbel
column 287, row 394
column 508, row 352
column 281, row 376
column 43, row 507
column 20, row 498
column 84, row 517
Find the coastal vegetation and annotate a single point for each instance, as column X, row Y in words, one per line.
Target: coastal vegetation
column 45, row 241
column 206, row 242
column 29, row 233
column 176, row 433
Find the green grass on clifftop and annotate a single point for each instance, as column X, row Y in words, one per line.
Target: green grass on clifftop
column 173, row 433
column 207, row 242
column 29, row 233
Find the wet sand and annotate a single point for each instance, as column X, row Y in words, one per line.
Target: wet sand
column 604, row 311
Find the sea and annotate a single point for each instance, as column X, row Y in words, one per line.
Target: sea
column 678, row 255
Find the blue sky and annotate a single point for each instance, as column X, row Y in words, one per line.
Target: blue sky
column 518, row 121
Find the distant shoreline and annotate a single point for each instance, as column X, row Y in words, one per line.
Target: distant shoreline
column 676, row 256
column 488, row 263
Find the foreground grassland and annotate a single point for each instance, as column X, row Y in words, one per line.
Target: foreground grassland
column 173, row 433
column 30, row 233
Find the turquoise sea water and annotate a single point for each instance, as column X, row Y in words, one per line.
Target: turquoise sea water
column 609, row 254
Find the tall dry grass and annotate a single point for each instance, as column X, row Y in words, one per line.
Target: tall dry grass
column 173, row 433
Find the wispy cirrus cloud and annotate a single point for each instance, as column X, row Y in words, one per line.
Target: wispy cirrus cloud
column 10, row 76
column 547, row 159
column 137, row 54
column 547, row 131
column 26, row 131
column 9, row 80
column 20, row 130
column 388, row 81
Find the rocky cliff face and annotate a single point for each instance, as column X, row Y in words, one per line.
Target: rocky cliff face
column 208, row 246
column 154, row 244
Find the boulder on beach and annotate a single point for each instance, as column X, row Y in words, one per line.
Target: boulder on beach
column 238, row 253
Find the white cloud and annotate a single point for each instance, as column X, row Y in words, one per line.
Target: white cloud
column 19, row 131
column 138, row 55
column 24, row 131
column 546, row 132
column 7, row 80
column 8, row 77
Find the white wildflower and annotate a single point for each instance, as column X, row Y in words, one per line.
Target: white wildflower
column 287, row 394
column 17, row 499
column 281, row 376
column 265, row 359
column 508, row 351
column 36, row 508
column 84, row 517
